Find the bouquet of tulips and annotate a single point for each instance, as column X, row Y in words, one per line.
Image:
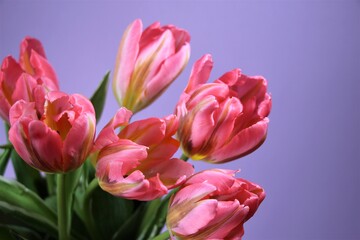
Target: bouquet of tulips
column 124, row 182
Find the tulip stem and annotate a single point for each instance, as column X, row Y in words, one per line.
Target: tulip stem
column 87, row 209
column 184, row 157
column 162, row 236
column 62, row 208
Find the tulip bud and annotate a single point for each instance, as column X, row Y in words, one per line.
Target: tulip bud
column 58, row 139
column 223, row 120
column 147, row 63
column 213, row 204
column 137, row 163
column 18, row 80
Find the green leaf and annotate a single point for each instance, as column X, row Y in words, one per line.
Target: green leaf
column 110, row 212
column 130, row 228
column 21, row 207
column 163, row 236
column 98, row 98
column 27, row 175
column 5, row 234
column 4, row 159
column 26, row 234
column 154, row 218
column 152, row 208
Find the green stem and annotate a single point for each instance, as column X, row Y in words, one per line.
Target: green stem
column 87, row 210
column 50, row 181
column 184, row 157
column 162, row 236
column 62, row 207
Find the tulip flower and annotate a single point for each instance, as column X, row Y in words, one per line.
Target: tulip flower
column 213, row 204
column 137, row 163
column 147, row 63
column 58, row 139
column 223, row 120
column 27, row 79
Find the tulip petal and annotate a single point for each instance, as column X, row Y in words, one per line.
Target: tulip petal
column 222, row 179
column 125, row 151
column 146, row 132
column 196, row 219
column 44, row 70
column 18, row 136
column 171, row 172
column 22, row 109
column 181, row 36
column 10, row 73
column 219, row 91
column 203, row 124
column 28, row 45
column 168, row 71
column 49, row 157
column 230, row 78
column 225, row 118
column 78, row 141
column 126, row 58
column 172, row 124
column 4, row 108
column 200, row 72
column 24, row 88
column 243, row 143
column 192, row 193
column 164, row 150
column 265, row 106
column 108, row 134
column 150, row 33
column 229, row 218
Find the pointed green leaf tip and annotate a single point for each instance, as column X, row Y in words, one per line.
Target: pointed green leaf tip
column 98, row 98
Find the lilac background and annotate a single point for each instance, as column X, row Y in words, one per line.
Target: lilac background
column 308, row 50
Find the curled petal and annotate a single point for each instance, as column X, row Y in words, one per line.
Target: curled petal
column 145, row 132
column 172, row 172
column 28, row 45
column 108, row 134
column 243, row 143
column 200, row 72
column 230, row 78
column 125, row 151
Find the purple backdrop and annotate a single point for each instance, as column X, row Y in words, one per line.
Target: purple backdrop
column 308, row 51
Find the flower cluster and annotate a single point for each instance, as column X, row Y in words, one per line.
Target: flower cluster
column 54, row 132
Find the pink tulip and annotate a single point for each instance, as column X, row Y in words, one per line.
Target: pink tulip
column 223, row 120
column 27, row 78
column 147, row 63
column 59, row 138
column 213, row 204
column 137, row 163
